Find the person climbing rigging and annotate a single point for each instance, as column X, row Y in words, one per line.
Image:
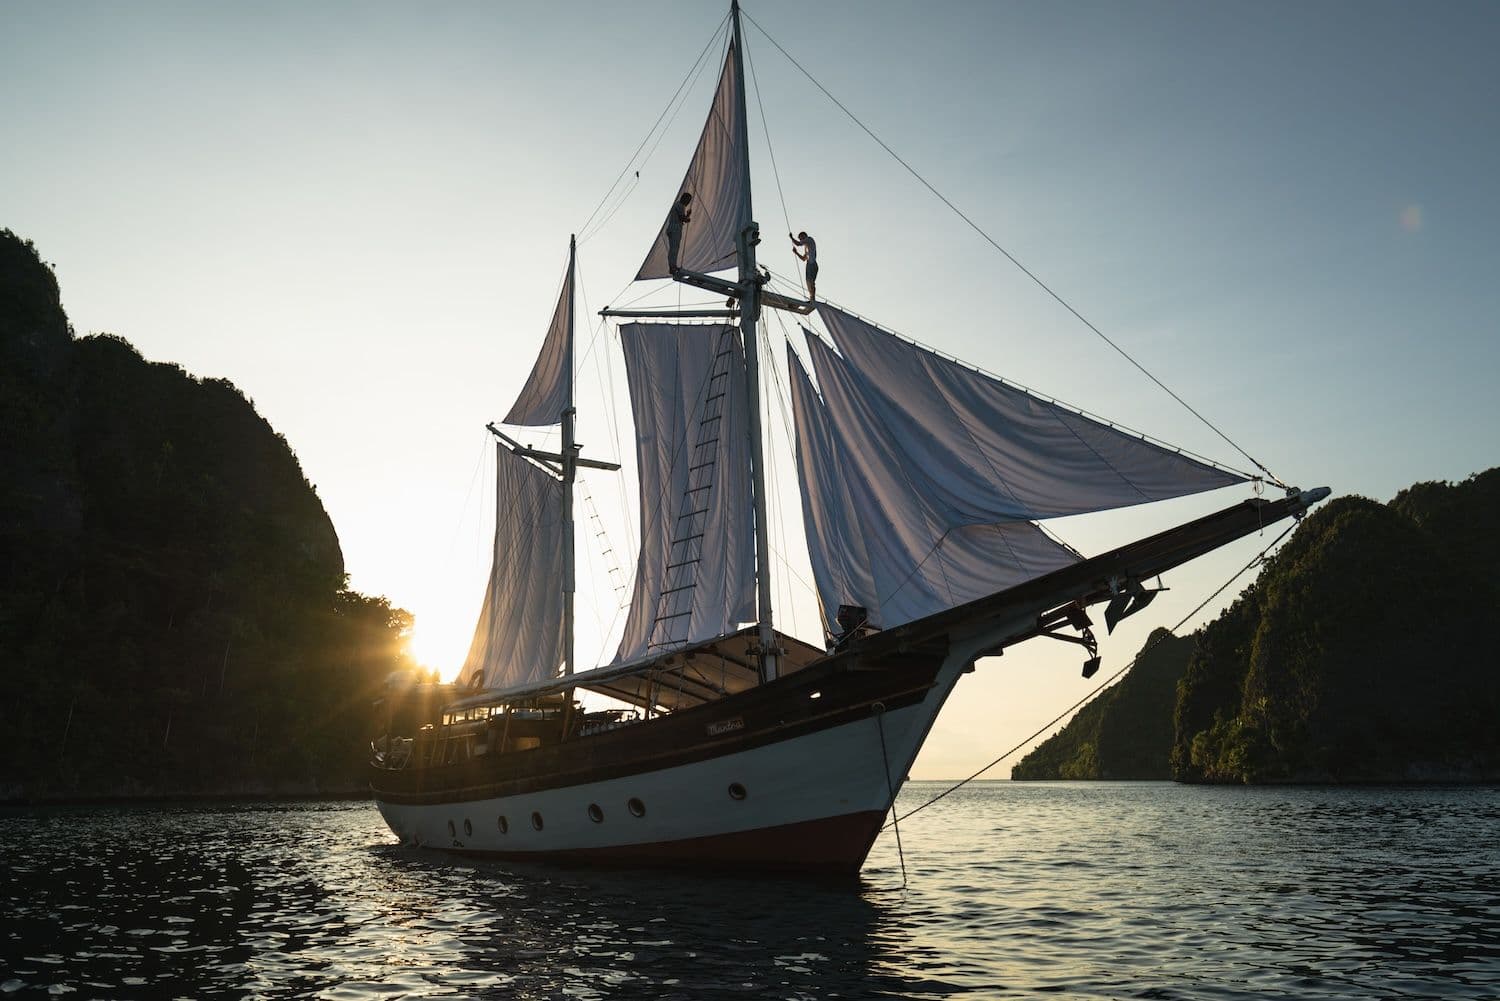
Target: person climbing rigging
column 680, row 216
column 810, row 255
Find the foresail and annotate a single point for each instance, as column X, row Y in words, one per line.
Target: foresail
column 875, row 538
column 720, row 186
column 988, row 451
column 695, row 575
column 549, row 388
column 519, row 637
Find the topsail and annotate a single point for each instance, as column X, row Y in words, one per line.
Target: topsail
column 719, row 182
column 549, row 388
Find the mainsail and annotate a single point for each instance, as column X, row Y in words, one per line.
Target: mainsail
column 719, row 180
column 940, row 471
column 695, row 576
column 519, row 638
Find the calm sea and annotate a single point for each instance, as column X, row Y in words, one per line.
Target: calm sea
column 1097, row 890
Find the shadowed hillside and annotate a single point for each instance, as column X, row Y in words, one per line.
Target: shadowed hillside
column 1125, row 733
column 173, row 617
column 1363, row 653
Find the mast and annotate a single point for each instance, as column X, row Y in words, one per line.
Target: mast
column 569, row 473
column 749, row 295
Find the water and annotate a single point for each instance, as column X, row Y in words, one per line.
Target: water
column 1098, row 890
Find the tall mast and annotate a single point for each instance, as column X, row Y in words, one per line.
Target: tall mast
column 569, row 472
column 749, row 295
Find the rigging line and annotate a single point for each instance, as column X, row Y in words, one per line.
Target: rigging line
column 1037, row 394
column 484, row 449
column 612, row 411
column 600, row 324
column 1024, row 270
column 791, row 440
column 774, row 468
column 691, row 74
column 885, row 758
column 624, row 197
column 1258, row 559
column 662, row 134
column 765, row 126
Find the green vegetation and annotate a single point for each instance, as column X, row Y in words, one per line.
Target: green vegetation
column 1125, row 733
column 173, row 615
column 1361, row 654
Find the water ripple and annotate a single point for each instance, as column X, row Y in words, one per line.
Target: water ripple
column 1077, row 891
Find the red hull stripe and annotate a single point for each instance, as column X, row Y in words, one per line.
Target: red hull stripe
column 833, row 846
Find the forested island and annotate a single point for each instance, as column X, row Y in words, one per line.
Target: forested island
column 1362, row 653
column 174, row 615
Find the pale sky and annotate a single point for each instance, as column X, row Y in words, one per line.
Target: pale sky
column 359, row 214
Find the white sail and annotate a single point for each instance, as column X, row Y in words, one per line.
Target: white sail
column 876, row 539
column 549, row 388
column 719, row 182
column 519, row 638
column 695, row 576
column 988, row 452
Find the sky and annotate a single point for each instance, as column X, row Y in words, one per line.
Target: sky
column 359, row 214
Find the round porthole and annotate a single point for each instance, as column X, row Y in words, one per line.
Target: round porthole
column 468, row 828
column 596, row 813
column 536, row 821
column 503, row 824
column 451, row 832
column 636, row 807
column 737, row 791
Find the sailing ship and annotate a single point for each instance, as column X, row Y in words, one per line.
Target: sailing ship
column 923, row 482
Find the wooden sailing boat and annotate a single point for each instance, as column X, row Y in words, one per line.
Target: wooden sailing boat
column 922, row 484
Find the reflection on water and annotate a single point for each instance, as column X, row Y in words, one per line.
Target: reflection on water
column 1081, row 890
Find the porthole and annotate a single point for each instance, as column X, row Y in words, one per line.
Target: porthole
column 636, row 807
column 503, row 824
column 596, row 813
column 468, row 828
column 536, row 820
column 737, row 791
column 451, row 832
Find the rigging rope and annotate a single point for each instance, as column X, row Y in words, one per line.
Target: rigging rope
column 890, row 787
column 766, row 127
column 1038, row 394
column 1012, row 258
column 692, row 74
column 1256, row 561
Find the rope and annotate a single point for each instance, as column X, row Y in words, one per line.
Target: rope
column 885, row 758
column 1256, row 561
column 765, row 127
column 1012, row 258
column 692, row 74
column 1046, row 398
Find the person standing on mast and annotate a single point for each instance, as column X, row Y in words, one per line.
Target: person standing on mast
column 811, row 257
column 679, row 217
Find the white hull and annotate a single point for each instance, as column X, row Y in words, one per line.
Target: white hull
column 791, row 785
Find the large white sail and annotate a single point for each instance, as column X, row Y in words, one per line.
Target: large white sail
column 986, row 451
column 921, row 479
column 876, row 539
column 549, row 388
column 719, row 182
column 695, row 576
column 519, row 637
